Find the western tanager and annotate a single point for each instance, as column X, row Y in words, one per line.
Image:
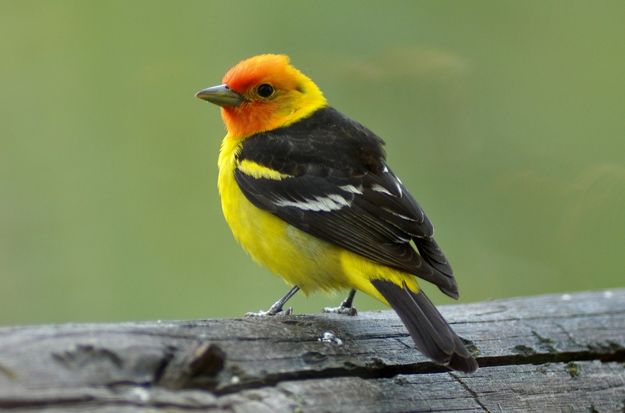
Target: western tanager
column 308, row 194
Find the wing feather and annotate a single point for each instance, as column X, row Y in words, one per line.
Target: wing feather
column 340, row 189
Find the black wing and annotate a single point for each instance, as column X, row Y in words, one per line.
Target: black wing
column 341, row 190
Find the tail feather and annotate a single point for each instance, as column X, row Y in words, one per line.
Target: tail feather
column 433, row 255
column 430, row 332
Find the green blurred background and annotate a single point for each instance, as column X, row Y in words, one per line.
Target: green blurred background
column 505, row 119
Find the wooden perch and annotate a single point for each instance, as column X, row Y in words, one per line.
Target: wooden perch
column 548, row 353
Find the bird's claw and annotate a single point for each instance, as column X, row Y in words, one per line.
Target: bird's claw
column 271, row 313
column 350, row 311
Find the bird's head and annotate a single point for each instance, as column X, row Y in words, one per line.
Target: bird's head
column 262, row 93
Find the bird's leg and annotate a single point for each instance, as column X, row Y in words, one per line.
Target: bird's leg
column 276, row 308
column 345, row 307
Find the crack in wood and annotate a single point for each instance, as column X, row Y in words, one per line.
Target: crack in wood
column 469, row 390
column 90, row 403
column 563, row 357
column 60, row 401
column 567, row 333
column 547, row 317
column 390, row 371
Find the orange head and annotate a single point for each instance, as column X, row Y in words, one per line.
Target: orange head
column 262, row 93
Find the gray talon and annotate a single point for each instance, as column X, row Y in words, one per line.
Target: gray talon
column 350, row 311
column 271, row 313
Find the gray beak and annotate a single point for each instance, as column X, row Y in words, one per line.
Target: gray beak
column 220, row 95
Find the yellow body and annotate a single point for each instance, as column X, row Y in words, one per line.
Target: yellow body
column 300, row 258
column 296, row 256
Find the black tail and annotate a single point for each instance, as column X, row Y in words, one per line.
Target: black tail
column 427, row 327
column 433, row 255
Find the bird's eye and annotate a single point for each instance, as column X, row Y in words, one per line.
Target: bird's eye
column 265, row 90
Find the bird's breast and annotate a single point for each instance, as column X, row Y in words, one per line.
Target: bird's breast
column 298, row 257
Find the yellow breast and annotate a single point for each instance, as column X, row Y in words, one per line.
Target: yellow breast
column 296, row 256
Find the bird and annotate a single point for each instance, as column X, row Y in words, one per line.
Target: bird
column 308, row 193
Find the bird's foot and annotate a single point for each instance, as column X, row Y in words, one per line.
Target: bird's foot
column 350, row 311
column 346, row 307
column 277, row 308
column 273, row 311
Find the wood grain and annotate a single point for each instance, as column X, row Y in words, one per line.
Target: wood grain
column 548, row 353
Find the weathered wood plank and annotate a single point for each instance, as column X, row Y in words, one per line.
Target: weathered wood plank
column 541, row 388
column 548, row 353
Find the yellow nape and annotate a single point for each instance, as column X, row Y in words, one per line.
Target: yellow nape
column 256, row 170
